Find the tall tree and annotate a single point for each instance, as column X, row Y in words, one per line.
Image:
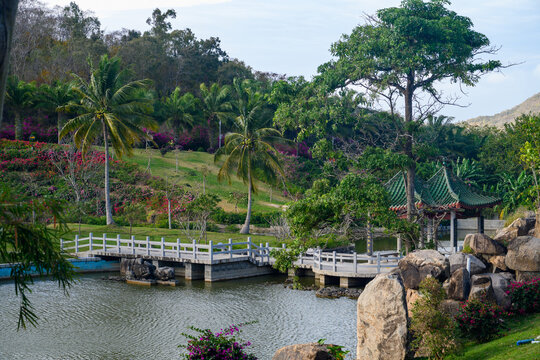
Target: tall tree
column 251, row 153
column 8, row 13
column 111, row 108
column 405, row 52
column 54, row 97
column 20, row 97
column 180, row 110
column 215, row 106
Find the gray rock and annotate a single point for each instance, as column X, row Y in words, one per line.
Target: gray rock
column 164, row 273
column 519, row 227
column 482, row 289
column 143, row 271
column 459, row 285
column 312, row 351
column 420, row 264
column 524, row 254
column 451, row 307
column 483, row 244
column 382, row 320
column 335, row 292
column 501, row 283
column 459, row 260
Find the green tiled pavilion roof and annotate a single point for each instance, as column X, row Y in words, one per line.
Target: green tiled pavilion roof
column 441, row 192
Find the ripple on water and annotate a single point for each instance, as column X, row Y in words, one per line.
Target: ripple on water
column 111, row 320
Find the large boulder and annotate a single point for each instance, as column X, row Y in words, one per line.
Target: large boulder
column 143, row 270
column 459, row 260
column 312, row 351
column 483, row 245
column 164, row 273
column 459, row 285
column 420, row 264
column 481, row 288
column 524, row 254
column 382, row 319
column 501, row 283
column 412, row 296
column 519, row 227
column 498, row 262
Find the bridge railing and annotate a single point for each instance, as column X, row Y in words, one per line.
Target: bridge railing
column 211, row 252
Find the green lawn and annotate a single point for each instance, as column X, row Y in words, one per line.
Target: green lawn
column 505, row 348
column 189, row 174
column 156, row 234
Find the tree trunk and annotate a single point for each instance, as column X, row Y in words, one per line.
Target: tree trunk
column 108, row 208
column 537, row 225
column 60, row 125
column 18, row 126
column 8, row 13
column 210, row 132
column 169, row 212
column 245, row 228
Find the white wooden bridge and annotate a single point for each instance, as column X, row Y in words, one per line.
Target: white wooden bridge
column 229, row 260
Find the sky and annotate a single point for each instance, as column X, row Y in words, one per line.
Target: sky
column 293, row 37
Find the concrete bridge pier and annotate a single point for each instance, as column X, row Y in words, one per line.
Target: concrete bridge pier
column 350, row 282
column 194, row 271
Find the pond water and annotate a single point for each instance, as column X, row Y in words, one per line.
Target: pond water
column 103, row 319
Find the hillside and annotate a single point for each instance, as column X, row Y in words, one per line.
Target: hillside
column 532, row 104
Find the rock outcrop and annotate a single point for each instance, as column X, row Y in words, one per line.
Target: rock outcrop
column 498, row 262
column 459, row 260
column 459, row 285
column 501, row 283
column 483, row 245
column 524, row 254
column 420, row 264
column 312, row 351
column 164, row 273
column 519, row 227
column 382, row 320
column 481, row 288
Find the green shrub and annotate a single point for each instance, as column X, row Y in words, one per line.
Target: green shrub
column 212, row 227
column 525, row 296
column 479, row 320
column 231, row 228
column 434, row 330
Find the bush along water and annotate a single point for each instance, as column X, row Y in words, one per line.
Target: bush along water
column 480, row 320
column 223, row 345
column 525, row 296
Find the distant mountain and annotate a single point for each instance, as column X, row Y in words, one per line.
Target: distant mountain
column 532, row 104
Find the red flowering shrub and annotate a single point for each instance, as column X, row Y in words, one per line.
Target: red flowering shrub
column 525, row 296
column 480, row 320
column 31, row 127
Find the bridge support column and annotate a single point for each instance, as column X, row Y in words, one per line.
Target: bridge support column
column 194, row 271
column 326, row 280
column 349, row 282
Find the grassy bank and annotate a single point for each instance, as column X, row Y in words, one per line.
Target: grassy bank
column 505, row 348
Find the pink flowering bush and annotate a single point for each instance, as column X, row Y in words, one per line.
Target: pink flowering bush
column 31, row 127
column 480, row 320
column 525, row 296
column 223, row 345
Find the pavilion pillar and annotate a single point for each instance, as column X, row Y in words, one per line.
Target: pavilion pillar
column 369, row 242
column 421, row 240
column 430, row 230
column 453, row 230
column 480, row 224
column 398, row 243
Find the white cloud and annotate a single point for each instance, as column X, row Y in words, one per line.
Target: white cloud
column 107, row 6
column 536, row 71
column 496, row 78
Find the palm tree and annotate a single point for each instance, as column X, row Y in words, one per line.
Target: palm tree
column 215, row 105
column 54, row 97
column 180, row 110
column 112, row 108
column 251, row 153
column 19, row 97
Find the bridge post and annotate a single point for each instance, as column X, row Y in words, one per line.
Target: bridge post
column 162, row 246
column 194, row 249
column 283, row 246
column 249, row 246
column 148, row 245
column 230, row 249
column 355, row 262
column 76, row 244
column 133, row 244
column 320, row 259
column 178, row 248
column 334, row 260
column 211, row 251
column 104, row 242
column 90, row 240
column 268, row 252
column 118, row 243
column 378, row 263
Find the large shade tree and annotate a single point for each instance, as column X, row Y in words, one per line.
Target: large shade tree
column 250, row 153
column 179, row 110
column 403, row 53
column 111, row 109
column 19, row 97
column 216, row 105
column 54, row 97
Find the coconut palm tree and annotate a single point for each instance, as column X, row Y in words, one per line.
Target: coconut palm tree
column 110, row 108
column 251, row 153
column 215, row 105
column 55, row 96
column 180, row 110
column 19, row 97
